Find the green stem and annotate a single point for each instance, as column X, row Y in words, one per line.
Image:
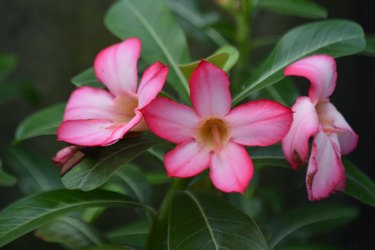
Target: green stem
column 159, row 228
column 243, row 29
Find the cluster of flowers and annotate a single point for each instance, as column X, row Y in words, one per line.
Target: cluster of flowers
column 211, row 134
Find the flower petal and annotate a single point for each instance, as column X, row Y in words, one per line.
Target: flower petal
column 151, row 84
column 320, row 70
column 170, row 120
column 250, row 124
column 186, row 160
column 232, row 169
column 295, row 144
column 116, row 66
column 325, row 173
column 91, row 103
column 209, row 90
column 333, row 122
column 86, row 132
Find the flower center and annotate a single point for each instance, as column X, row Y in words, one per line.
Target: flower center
column 125, row 109
column 213, row 133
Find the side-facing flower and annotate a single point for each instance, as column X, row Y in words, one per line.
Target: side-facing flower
column 315, row 116
column 211, row 134
column 97, row 117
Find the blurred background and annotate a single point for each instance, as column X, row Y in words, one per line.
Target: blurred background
column 55, row 40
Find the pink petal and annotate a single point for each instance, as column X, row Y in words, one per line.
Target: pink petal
column 116, row 66
column 170, row 120
column 325, row 173
column 151, row 84
column 250, row 124
column 232, row 169
column 86, row 132
column 186, row 160
column 91, row 103
column 333, row 122
column 320, row 70
column 209, row 90
column 295, row 144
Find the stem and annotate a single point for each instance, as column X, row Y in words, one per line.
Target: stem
column 243, row 29
column 158, row 232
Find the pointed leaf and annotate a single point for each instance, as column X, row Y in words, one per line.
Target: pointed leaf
column 7, row 64
column 334, row 37
column 35, row 211
column 162, row 39
column 358, row 184
column 302, row 8
column 299, row 218
column 370, row 45
column 5, row 178
column 71, row 233
column 44, row 122
column 94, row 170
column 34, row 174
column 225, row 58
column 87, row 78
column 203, row 221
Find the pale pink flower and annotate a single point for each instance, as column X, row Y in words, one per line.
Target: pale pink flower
column 211, row 134
column 68, row 157
column 97, row 117
column 315, row 116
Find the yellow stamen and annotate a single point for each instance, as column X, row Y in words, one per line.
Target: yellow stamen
column 213, row 134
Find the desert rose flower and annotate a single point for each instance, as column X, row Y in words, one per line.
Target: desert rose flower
column 315, row 116
column 97, row 117
column 211, row 134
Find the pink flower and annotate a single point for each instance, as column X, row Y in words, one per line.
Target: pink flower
column 97, row 117
column 211, row 134
column 316, row 116
column 68, row 157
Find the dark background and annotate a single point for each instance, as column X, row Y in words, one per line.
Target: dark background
column 55, row 40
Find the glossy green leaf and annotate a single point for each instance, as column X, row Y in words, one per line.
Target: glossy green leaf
column 86, row 78
column 34, row 173
column 94, row 170
column 7, row 64
column 370, row 45
column 287, row 224
column 225, row 58
column 5, row 178
column 71, row 233
column 162, row 39
column 203, row 221
column 130, row 180
column 44, row 122
column 35, row 211
column 333, row 37
column 134, row 234
column 191, row 15
column 302, row 8
column 358, row 184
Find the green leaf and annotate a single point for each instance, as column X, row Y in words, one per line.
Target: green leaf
column 203, row 221
column 94, row 170
column 310, row 247
column 44, row 122
column 71, row 233
column 8, row 62
column 296, row 219
column 35, row 211
column 334, row 37
column 225, row 58
column 134, row 234
column 110, row 247
column 370, row 45
column 5, row 178
column 34, row 174
column 130, row 180
column 358, row 184
column 191, row 15
column 162, row 39
column 86, row 78
column 157, row 177
column 302, row 8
